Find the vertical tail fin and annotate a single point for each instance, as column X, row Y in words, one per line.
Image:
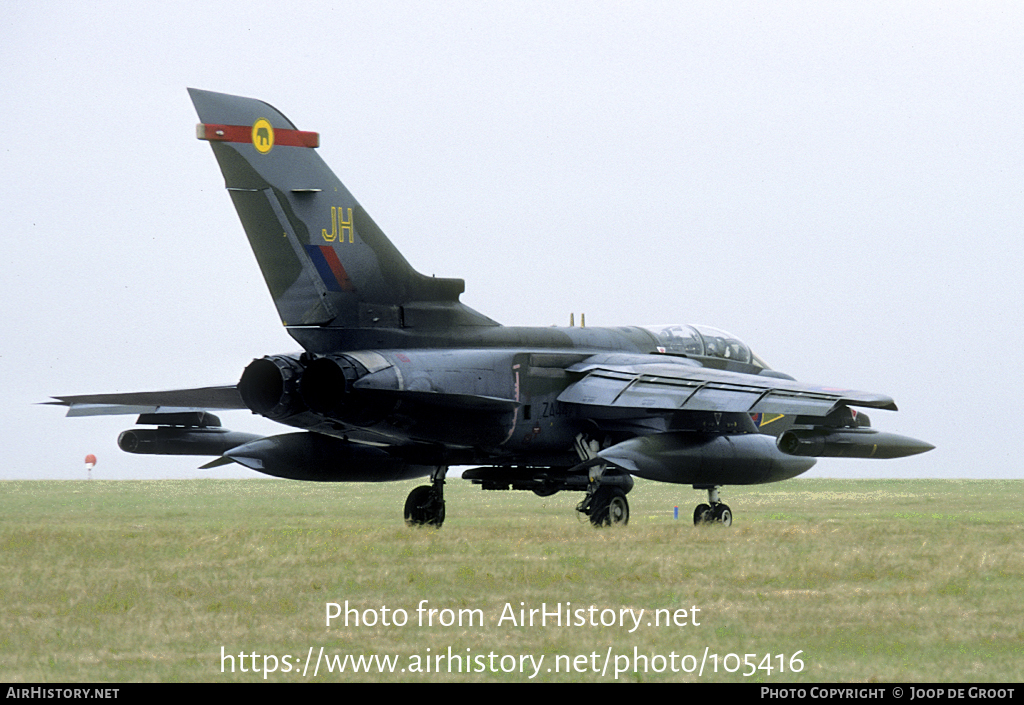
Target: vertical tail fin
column 325, row 261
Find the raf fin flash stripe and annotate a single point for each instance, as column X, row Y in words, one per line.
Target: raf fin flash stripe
column 243, row 133
column 327, row 264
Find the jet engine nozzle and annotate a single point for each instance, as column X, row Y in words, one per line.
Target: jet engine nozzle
column 849, row 443
column 270, row 386
column 327, row 385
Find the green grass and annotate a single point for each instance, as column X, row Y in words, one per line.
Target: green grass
column 867, row 580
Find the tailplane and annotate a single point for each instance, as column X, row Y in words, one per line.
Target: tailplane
column 325, row 261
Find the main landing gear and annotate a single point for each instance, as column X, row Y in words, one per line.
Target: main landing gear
column 714, row 512
column 606, row 503
column 425, row 504
column 606, row 506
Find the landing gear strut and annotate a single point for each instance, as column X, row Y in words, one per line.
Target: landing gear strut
column 425, row 504
column 606, row 503
column 714, row 512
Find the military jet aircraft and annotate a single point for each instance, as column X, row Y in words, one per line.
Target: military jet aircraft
column 398, row 379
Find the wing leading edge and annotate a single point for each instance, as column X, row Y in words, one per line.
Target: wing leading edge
column 662, row 386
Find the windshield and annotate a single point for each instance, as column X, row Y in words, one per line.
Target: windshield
column 702, row 341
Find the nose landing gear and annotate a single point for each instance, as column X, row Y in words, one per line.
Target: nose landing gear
column 714, row 512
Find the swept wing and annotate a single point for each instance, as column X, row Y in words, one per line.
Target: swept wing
column 649, row 382
column 165, row 402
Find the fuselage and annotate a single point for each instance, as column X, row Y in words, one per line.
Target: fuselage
column 453, row 383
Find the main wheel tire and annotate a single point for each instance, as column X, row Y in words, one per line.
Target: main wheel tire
column 702, row 515
column 424, row 508
column 722, row 514
column 609, row 507
column 618, row 510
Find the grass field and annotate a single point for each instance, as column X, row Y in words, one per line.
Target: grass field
column 866, row 580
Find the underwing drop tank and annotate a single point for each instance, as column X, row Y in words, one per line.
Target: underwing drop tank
column 849, row 443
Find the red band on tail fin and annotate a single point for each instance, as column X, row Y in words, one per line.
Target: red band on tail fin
column 243, row 133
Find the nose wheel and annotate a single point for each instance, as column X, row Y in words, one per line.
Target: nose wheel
column 714, row 512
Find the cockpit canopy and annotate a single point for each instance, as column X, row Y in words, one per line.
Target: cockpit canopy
column 703, row 341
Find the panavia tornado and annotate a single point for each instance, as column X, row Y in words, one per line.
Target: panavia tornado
column 399, row 380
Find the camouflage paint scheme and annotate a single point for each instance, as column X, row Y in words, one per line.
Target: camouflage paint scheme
column 399, row 379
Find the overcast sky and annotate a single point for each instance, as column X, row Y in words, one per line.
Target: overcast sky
column 839, row 184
